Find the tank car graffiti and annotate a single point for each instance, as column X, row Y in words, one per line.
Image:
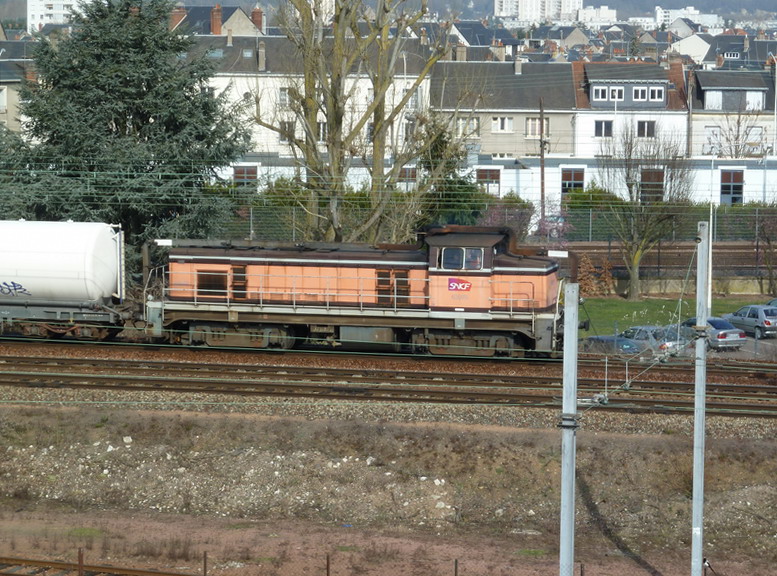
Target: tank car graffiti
column 13, row 289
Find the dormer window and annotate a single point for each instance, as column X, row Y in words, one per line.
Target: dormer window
column 616, row 93
column 600, row 93
column 656, row 94
column 731, row 55
column 640, row 94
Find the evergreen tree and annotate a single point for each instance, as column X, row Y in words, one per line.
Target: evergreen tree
column 121, row 127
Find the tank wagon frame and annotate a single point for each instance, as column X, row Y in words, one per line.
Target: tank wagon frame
column 61, row 279
column 458, row 291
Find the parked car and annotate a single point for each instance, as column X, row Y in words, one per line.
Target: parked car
column 660, row 339
column 772, row 302
column 757, row 319
column 612, row 345
column 721, row 334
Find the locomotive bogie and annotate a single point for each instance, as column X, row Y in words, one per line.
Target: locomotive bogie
column 237, row 336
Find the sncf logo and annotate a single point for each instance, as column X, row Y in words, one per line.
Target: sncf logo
column 458, row 285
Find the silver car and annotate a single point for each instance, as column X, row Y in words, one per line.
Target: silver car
column 757, row 319
column 660, row 339
column 721, row 334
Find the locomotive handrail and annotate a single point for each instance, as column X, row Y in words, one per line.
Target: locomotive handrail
column 520, row 299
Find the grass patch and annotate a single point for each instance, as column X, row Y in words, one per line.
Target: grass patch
column 530, row 552
column 84, row 533
column 613, row 315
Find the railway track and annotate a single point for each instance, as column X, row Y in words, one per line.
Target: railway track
column 29, row 566
column 733, row 390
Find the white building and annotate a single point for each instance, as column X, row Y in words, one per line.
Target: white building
column 598, row 16
column 665, row 17
column 42, row 12
column 537, row 11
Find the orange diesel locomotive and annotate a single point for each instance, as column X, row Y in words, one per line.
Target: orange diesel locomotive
column 458, row 291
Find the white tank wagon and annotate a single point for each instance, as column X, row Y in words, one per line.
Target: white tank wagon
column 61, row 278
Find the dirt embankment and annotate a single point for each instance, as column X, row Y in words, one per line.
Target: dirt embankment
column 373, row 490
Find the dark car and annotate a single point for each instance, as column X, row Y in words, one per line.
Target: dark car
column 612, row 345
column 721, row 334
column 757, row 319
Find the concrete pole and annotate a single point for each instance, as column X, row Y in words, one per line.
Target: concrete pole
column 568, row 427
column 702, row 313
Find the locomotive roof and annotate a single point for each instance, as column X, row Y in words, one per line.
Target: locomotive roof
column 456, row 239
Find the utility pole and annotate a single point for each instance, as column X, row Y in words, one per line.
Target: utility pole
column 702, row 291
column 568, row 427
column 543, row 144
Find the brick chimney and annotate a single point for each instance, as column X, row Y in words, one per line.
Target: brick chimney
column 257, row 17
column 176, row 16
column 215, row 20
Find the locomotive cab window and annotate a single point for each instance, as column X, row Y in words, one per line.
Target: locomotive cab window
column 462, row 258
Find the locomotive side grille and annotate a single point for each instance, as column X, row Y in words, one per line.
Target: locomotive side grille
column 393, row 288
column 239, row 283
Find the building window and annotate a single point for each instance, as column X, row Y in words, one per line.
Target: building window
column 248, row 53
column 287, row 130
column 412, row 103
column 651, row 186
column 489, row 179
column 732, row 186
column 616, row 93
column 600, row 93
column 646, row 129
column 501, row 124
column 731, row 55
column 409, row 130
column 244, row 174
column 713, row 100
column 407, row 174
column 468, row 127
column 533, row 127
column 572, row 179
column 754, row 144
column 657, row 94
column 640, row 94
column 488, row 175
column 603, row 128
column 284, row 97
column 321, row 132
column 754, row 100
column 711, row 140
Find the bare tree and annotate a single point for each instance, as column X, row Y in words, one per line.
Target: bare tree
column 345, row 46
column 649, row 177
column 740, row 134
